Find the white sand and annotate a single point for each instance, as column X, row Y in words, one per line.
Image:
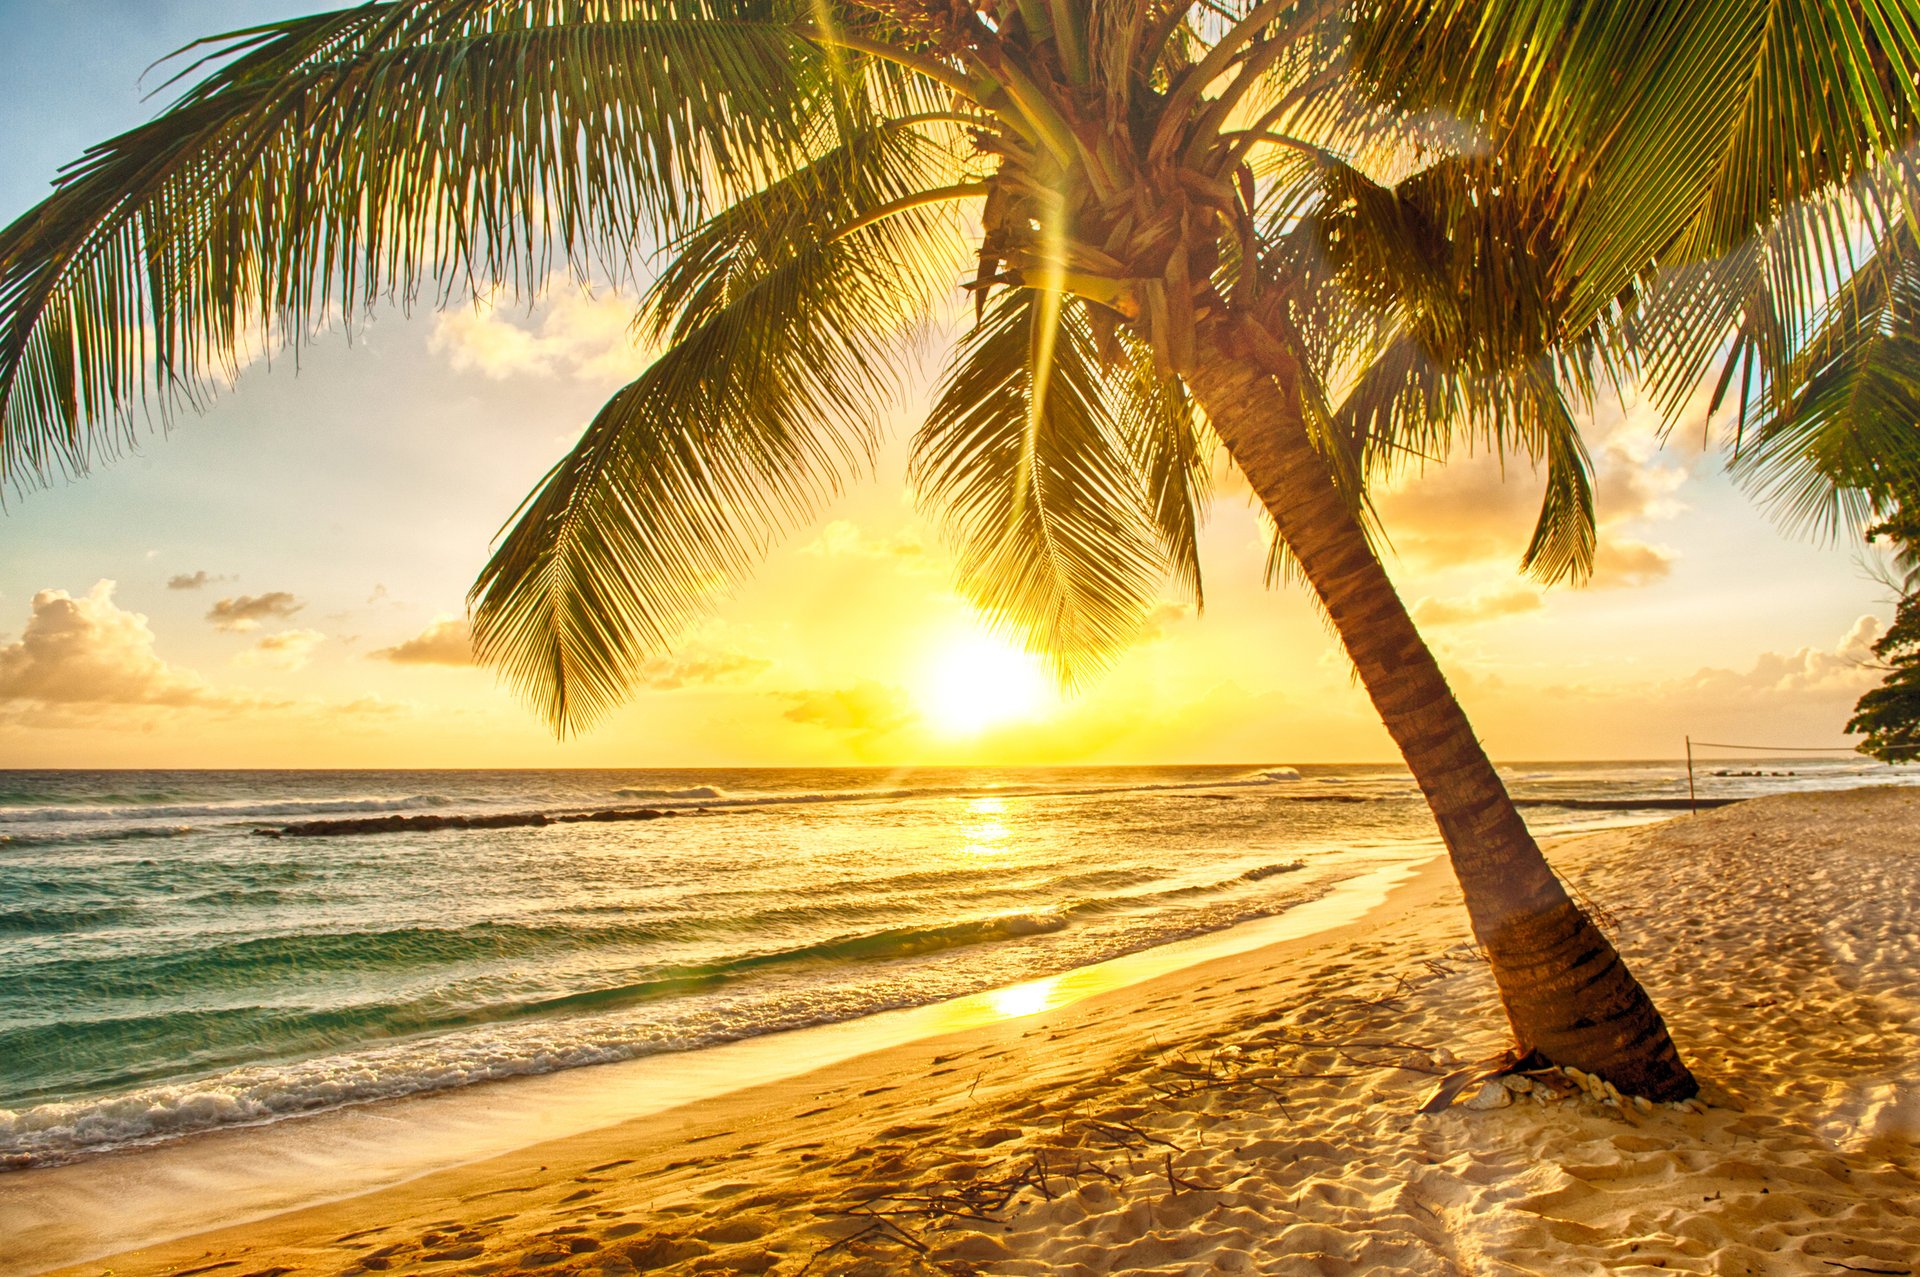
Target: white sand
column 1259, row 1115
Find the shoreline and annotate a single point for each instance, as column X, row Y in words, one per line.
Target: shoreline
column 386, row 1145
column 1258, row 1112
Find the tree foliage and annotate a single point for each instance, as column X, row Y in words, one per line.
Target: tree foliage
column 1890, row 713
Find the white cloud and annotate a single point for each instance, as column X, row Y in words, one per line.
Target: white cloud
column 701, row 666
column 862, row 712
column 1811, row 688
column 90, row 651
column 1162, row 618
column 1846, row 669
column 571, row 333
column 449, row 641
column 192, row 580
column 1623, row 562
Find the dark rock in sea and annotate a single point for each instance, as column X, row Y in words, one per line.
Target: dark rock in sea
column 357, row 825
column 626, row 813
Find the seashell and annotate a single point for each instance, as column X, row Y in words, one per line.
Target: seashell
column 1491, row 1095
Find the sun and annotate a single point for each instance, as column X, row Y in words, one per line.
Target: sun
column 977, row 681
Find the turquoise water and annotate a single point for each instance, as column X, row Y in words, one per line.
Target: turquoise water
column 167, row 966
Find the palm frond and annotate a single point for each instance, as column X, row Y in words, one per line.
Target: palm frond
column 1840, row 440
column 1565, row 535
column 331, row 161
column 1459, row 262
column 770, row 395
column 1055, row 536
column 1678, row 129
column 1758, row 105
column 867, row 185
column 1171, row 450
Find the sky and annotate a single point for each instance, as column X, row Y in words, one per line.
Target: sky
column 280, row 581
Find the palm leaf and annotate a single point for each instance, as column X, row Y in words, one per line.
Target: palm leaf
column 331, row 161
column 1055, row 537
column 868, row 183
column 1171, row 451
column 1841, row 440
column 767, row 399
column 1565, row 536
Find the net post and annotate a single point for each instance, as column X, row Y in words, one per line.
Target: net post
column 1693, row 804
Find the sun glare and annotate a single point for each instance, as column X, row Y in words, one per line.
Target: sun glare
column 977, row 682
column 1025, row 999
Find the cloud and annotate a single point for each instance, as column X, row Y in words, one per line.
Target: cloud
column 288, row 650
column 570, row 333
column 90, row 651
column 1846, row 668
column 1482, row 606
column 192, row 580
column 244, row 614
column 374, row 707
column 1625, row 563
column 701, row 666
column 862, row 712
column 449, row 641
column 842, row 539
column 1159, row 622
column 446, row 642
column 1810, row 689
column 1477, row 512
column 1461, row 514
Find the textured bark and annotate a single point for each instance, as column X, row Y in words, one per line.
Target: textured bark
column 1568, row 995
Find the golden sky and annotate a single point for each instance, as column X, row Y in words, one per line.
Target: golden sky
column 279, row 583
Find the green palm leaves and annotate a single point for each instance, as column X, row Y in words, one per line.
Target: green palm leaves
column 1070, row 485
column 768, row 395
column 1839, row 439
column 332, row 161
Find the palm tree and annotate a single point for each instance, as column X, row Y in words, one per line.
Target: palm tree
column 1329, row 235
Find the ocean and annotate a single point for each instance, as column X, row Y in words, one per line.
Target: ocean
column 187, row 950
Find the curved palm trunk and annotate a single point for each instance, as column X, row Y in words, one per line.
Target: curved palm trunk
column 1568, row 995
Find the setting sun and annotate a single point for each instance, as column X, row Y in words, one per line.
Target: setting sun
column 978, row 681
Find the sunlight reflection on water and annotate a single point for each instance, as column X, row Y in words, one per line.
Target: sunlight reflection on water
column 985, row 832
column 1030, row 998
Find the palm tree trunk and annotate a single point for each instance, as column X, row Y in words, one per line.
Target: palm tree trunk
column 1568, row 995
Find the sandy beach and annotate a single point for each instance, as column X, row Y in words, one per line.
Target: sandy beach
column 1260, row 1113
